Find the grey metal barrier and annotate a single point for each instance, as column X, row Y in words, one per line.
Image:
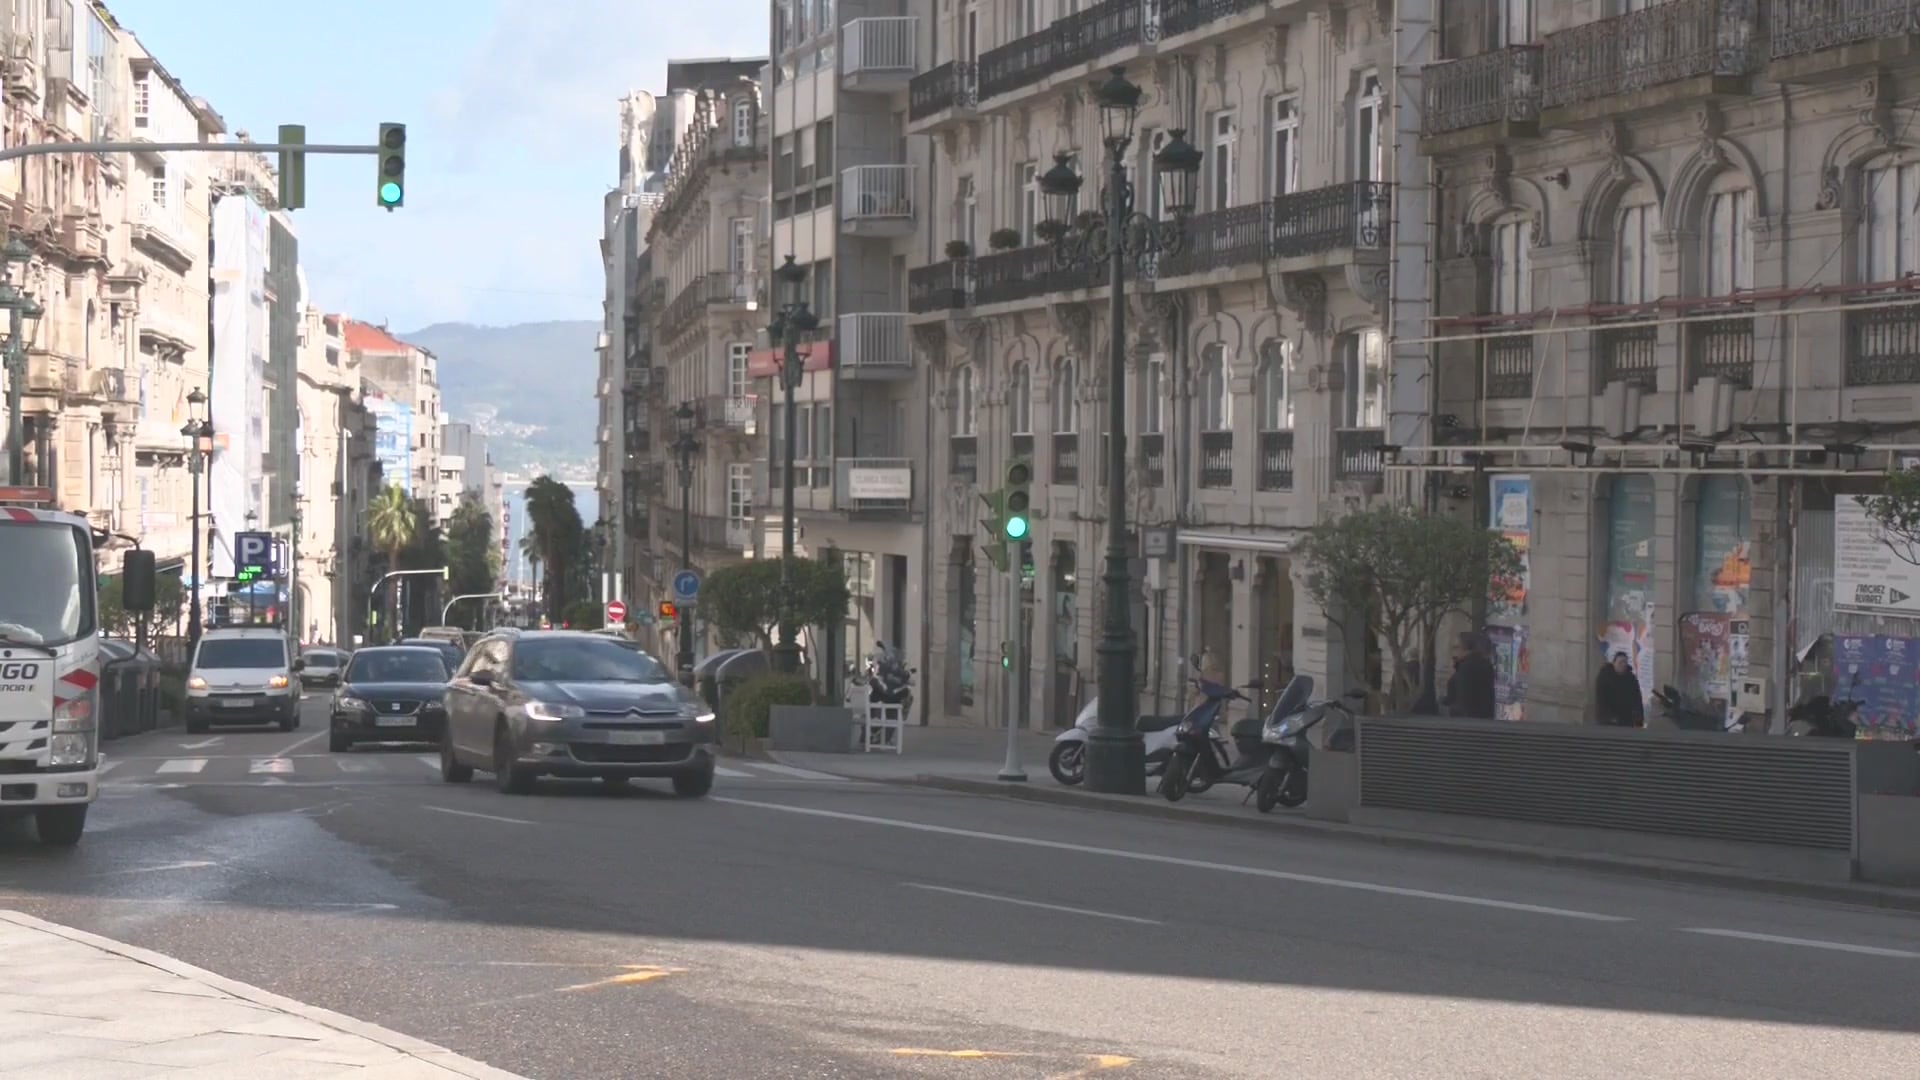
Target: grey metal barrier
column 129, row 690
column 1794, row 792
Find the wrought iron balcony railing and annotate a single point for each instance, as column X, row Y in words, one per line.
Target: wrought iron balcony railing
column 1066, row 457
column 952, row 85
column 1508, row 365
column 941, row 286
column 1722, row 348
column 1181, row 16
column 1216, row 459
column 1153, row 458
column 1502, row 86
column 1883, row 346
column 963, row 457
column 1629, row 354
column 1219, row 240
column 1276, row 461
column 1796, row 27
column 1070, row 41
column 1357, row 452
column 1356, row 214
column 1659, row 44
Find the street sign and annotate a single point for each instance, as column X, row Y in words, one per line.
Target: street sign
column 253, row 554
column 616, row 613
column 686, row 586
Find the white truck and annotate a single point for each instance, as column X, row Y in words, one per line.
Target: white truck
column 50, row 662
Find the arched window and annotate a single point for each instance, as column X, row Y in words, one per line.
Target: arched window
column 1889, row 234
column 1726, row 252
column 1020, row 400
column 1275, row 385
column 1216, row 390
column 1512, row 264
column 1636, row 276
column 1065, row 397
column 743, row 120
column 963, row 401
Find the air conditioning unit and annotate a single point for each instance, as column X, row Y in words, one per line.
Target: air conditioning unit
column 1710, row 407
column 1620, row 409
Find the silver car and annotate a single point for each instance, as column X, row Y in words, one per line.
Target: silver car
column 527, row 704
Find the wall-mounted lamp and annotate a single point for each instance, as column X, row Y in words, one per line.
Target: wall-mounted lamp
column 1559, row 176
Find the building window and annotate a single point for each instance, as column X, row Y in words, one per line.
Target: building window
column 1276, row 385
column 1368, row 108
column 1151, row 143
column 963, row 401
column 823, row 288
column 1512, row 265
column 738, row 354
column 1027, row 17
column 966, row 212
column 823, row 431
column 1283, row 145
column 1153, row 404
column 1216, row 390
column 1065, row 399
column 739, row 495
column 142, row 99
column 1220, row 163
column 1636, row 269
column 1364, row 399
column 1027, row 196
column 1889, row 232
column 159, row 185
column 1729, row 244
column 743, row 122
column 1020, row 401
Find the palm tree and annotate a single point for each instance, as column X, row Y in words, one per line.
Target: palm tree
column 554, row 522
column 530, row 550
column 392, row 525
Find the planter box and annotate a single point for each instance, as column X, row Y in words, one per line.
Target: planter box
column 812, row 729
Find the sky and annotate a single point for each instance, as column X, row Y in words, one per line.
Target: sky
column 512, row 114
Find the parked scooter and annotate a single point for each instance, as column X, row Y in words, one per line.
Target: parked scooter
column 1284, row 781
column 1200, row 761
column 1824, row 717
column 1068, row 761
column 1688, row 716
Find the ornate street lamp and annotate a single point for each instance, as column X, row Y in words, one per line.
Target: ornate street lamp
column 685, row 445
column 22, row 311
column 1116, row 757
column 199, row 432
column 791, row 321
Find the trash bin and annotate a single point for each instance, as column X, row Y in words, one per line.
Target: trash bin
column 129, row 690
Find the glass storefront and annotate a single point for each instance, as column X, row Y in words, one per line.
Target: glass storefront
column 1629, row 601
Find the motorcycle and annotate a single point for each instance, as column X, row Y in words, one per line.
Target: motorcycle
column 1824, row 717
column 1068, row 761
column 1687, row 716
column 889, row 680
column 1284, row 783
column 1201, row 761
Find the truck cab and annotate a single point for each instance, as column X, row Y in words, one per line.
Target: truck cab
column 50, row 662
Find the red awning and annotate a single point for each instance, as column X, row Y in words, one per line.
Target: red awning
column 815, row 356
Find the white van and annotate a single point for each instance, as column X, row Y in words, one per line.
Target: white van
column 243, row 675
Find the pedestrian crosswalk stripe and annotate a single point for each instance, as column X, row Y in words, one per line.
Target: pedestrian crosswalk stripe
column 732, row 774
column 364, row 766
column 104, row 768
column 182, row 765
column 788, row 770
column 350, row 765
column 272, row 766
column 430, row 761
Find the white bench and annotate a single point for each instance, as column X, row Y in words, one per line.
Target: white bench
column 881, row 727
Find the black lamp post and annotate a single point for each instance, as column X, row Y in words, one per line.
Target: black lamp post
column 791, row 321
column 199, row 430
column 685, row 445
column 1116, row 757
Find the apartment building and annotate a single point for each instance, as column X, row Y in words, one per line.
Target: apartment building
column 1256, row 384
column 1676, row 256
column 402, row 389
column 467, row 470
column 848, row 197
column 337, row 475
column 705, row 246
column 245, row 382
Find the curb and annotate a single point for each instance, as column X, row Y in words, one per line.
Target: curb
column 418, row 1049
column 1886, row 899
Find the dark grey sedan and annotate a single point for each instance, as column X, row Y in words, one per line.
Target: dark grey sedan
column 528, row 704
column 393, row 693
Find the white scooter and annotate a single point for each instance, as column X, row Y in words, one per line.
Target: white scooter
column 1068, row 762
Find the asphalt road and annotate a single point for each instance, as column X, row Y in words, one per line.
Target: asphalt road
column 793, row 925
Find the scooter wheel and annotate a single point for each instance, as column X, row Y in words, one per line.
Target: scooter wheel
column 1173, row 783
column 1068, row 762
column 1266, row 792
column 1293, row 790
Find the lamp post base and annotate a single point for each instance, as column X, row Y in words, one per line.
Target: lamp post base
column 786, row 657
column 1116, row 762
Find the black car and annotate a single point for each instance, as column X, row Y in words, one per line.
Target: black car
column 453, row 654
column 322, row 667
column 393, row 693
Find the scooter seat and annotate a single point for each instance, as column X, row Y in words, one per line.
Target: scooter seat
column 1147, row 725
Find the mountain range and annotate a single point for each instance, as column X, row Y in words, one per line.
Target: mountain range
column 529, row 388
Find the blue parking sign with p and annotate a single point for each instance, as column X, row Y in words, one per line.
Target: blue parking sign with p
column 253, row 554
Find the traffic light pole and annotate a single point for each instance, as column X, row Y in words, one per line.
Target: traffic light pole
column 1012, row 771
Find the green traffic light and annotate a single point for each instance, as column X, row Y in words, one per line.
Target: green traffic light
column 1016, row 528
column 390, row 193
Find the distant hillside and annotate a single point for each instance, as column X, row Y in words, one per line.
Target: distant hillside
column 529, row 387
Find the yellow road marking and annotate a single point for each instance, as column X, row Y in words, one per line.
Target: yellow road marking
column 634, row 973
column 1100, row 1063
column 1096, row 1062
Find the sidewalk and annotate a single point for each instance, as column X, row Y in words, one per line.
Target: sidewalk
column 75, row 1006
column 968, row 761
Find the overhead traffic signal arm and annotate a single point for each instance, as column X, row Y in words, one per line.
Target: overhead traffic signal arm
column 392, row 192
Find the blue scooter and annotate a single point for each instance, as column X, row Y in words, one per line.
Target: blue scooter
column 1198, row 763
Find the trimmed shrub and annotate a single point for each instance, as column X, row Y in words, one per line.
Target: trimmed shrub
column 751, row 705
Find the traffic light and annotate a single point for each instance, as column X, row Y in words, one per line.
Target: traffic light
column 668, row 610
column 1006, row 660
column 995, row 523
column 1015, row 498
column 393, row 165
column 293, row 167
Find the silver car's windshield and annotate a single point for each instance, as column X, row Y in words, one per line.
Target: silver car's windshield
column 46, row 586
column 584, row 659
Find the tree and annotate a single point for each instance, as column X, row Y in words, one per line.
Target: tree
column 554, row 521
column 742, row 602
column 118, row 621
column 473, row 560
column 391, row 526
column 1394, row 574
column 1896, row 511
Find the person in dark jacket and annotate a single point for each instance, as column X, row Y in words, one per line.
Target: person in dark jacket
column 1470, row 690
column 1616, row 695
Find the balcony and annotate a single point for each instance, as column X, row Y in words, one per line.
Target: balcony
column 1800, row 29
column 159, row 235
column 877, row 200
column 716, row 287
column 1276, row 461
column 874, row 345
column 709, row 531
column 941, row 286
column 1216, row 459
column 1357, row 453
column 54, row 375
column 1183, row 16
column 1066, row 457
column 879, row 54
column 1219, row 240
column 729, row 412
column 1722, row 348
column 953, row 86
column 1883, row 346
column 1153, row 458
column 1499, row 90
column 1027, row 273
column 637, row 440
column 1507, row 364
column 1355, row 215
column 963, row 458
column 1628, row 354
column 1711, row 46
column 873, row 485
column 1072, row 41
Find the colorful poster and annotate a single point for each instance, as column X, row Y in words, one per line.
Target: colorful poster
column 1511, row 515
column 1880, row 673
column 1629, row 623
column 1509, row 671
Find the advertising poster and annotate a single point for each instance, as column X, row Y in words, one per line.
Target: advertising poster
column 1629, row 624
column 1510, row 513
column 1509, row 671
column 1880, row 672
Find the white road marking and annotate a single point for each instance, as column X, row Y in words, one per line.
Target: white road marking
column 196, row 864
column 105, row 767
column 182, row 765
column 472, row 814
column 355, row 765
column 273, row 766
column 202, row 744
column 431, row 761
column 1191, row 864
column 788, row 770
column 298, row 743
column 1810, row 943
column 734, row 774
column 1034, row 904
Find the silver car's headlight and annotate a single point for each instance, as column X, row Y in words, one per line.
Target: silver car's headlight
column 547, row 710
column 696, row 712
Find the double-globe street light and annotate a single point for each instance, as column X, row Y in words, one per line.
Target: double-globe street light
column 685, row 444
column 1116, row 755
column 199, row 432
column 792, row 321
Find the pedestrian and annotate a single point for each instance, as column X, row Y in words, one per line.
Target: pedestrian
column 1470, row 689
column 1617, row 701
